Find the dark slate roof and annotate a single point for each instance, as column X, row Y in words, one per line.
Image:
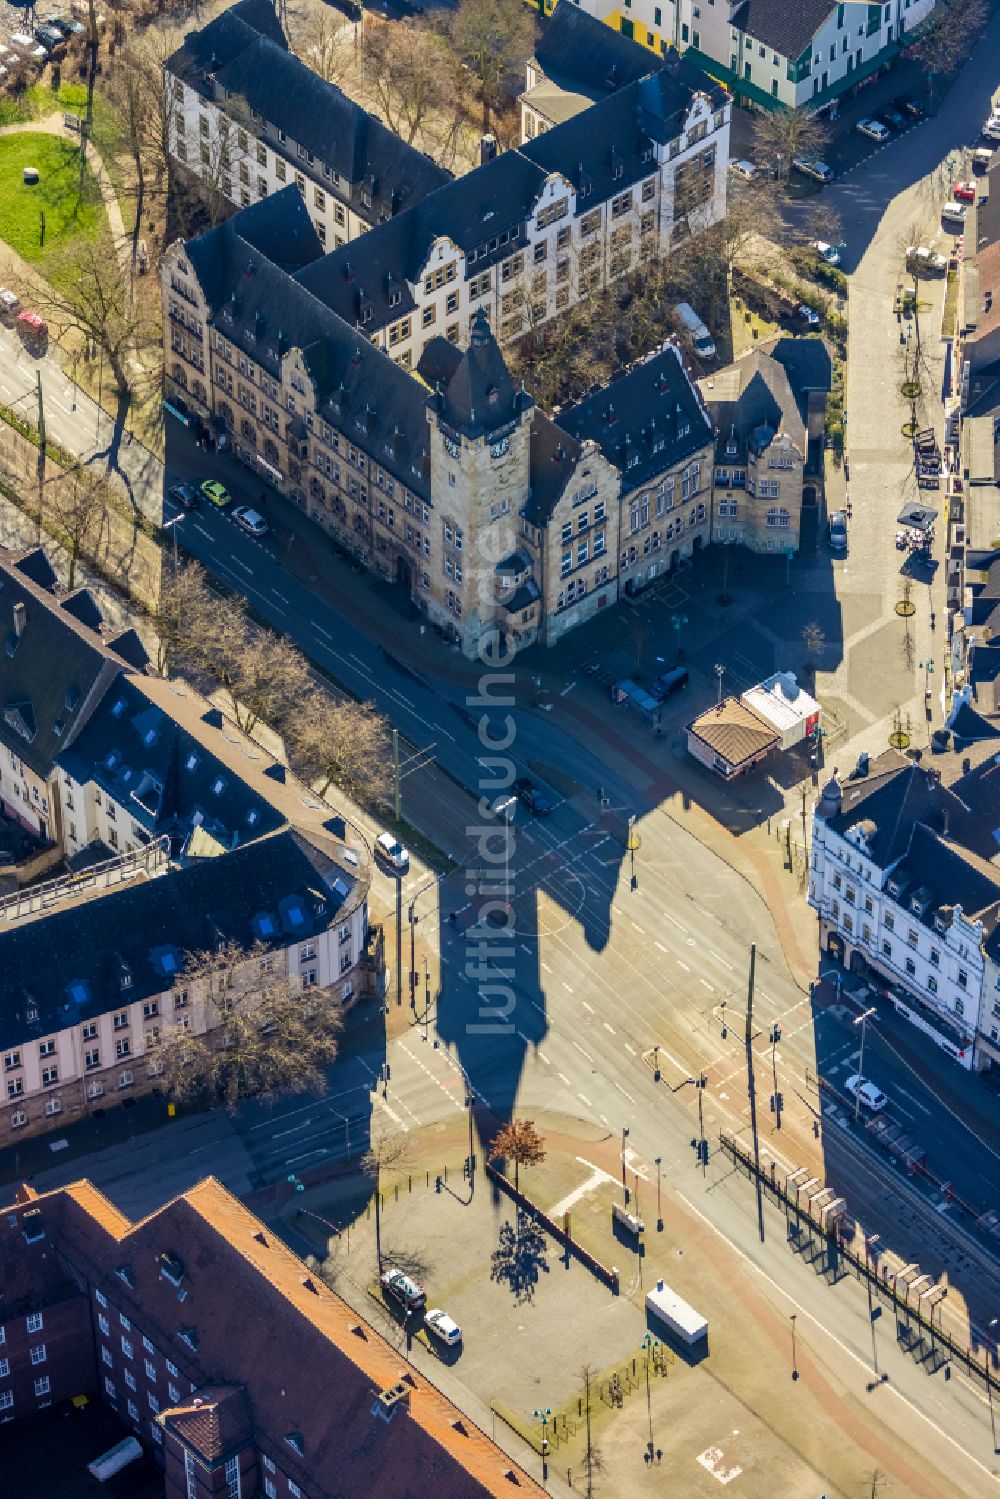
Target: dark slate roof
column 807, row 363
column 788, row 26
column 480, row 397
column 224, row 38
column 483, row 211
column 339, row 133
column 51, row 677
column 948, row 875
column 554, row 458
column 165, row 778
column 575, row 54
column 648, row 421
column 969, row 726
column 266, row 312
column 748, row 398
column 984, row 677
column 604, row 150
column 439, row 361
column 70, row 964
column 894, row 795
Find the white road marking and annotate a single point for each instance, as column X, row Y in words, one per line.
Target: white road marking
column 546, row 967
column 565, row 1079
column 610, row 1028
column 582, row 1052
column 584, row 1099
column 630, row 1049
column 623, row 1090
column 707, row 984
column 567, row 986
column 683, row 965
column 320, row 631
column 586, row 1006
column 661, row 947
column 198, row 527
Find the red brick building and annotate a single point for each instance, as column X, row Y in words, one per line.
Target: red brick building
column 244, row 1374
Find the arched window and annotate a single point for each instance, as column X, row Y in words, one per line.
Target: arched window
column 270, row 450
column 199, row 392
column 179, row 376
column 248, row 432
column 226, row 412
column 316, row 490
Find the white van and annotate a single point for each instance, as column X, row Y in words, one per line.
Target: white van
column 693, row 325
column 953, row 213
column 392, row 852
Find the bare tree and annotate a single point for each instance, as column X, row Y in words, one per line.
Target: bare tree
column 942, row 42
column 493, row 37
column 92, row 296
column 264, row 675
column 254, row 1031
column 184, row 617
column 814, row 639
column 782, row 133
column 327, row 44
column 77, row 504
column 520, row 1142
column 339, row 741
column 386, row 1153
column 412, row 71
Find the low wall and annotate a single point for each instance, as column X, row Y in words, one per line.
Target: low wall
column 609, row 1275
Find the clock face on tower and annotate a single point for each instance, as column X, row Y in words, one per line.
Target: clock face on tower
column 498, row 449
column 452, row 448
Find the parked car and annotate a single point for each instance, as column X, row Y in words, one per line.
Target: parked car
column 70, row 27
column 954, row 212
column 216, row 492
column 965, row 192
column 250, row 521
column 891, row 116
column 406, row 1292
column 443, row 1327
column 874, row 129
column 669, row 682
column 809, row 315
column 910, row 107
column 837, row 528
column 51, row 39
column 991, row 128
column 184, row 495
column 9, row 302
column 744, row 169
column 34, row 329
column 811, row 168
column 829, row 253
column 982, row 158
column 871, row 1097
column 925, row 261
column 391, row 852
column 532, row 797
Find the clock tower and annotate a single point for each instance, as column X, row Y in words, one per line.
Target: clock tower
column 480, row 476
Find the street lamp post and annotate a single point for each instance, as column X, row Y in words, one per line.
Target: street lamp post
column 507, row 809
column 720, row 672
column 861, row 1020
column 870, row 1241
column 649, row 1343
column 659, row 1214
column 624, row 1186
column 427, row 996
column 795, row 1367
column 544, row 1416
column 171, row 525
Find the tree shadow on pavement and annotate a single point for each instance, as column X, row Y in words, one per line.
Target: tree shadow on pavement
column 520, row 1257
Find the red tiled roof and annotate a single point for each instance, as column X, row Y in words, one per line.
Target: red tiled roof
column 311, row 1367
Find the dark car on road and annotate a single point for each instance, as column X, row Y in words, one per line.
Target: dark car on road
column 184, row 495
column 669, row 682
column 838, row 531
column 910, row 107
column 891, row 116
column 532, row 797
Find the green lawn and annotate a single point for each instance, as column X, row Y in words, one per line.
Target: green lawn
column 72, row 207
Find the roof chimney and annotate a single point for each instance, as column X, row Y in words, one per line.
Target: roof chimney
column 20, row 614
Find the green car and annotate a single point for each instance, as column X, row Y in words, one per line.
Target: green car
column 215, row 492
